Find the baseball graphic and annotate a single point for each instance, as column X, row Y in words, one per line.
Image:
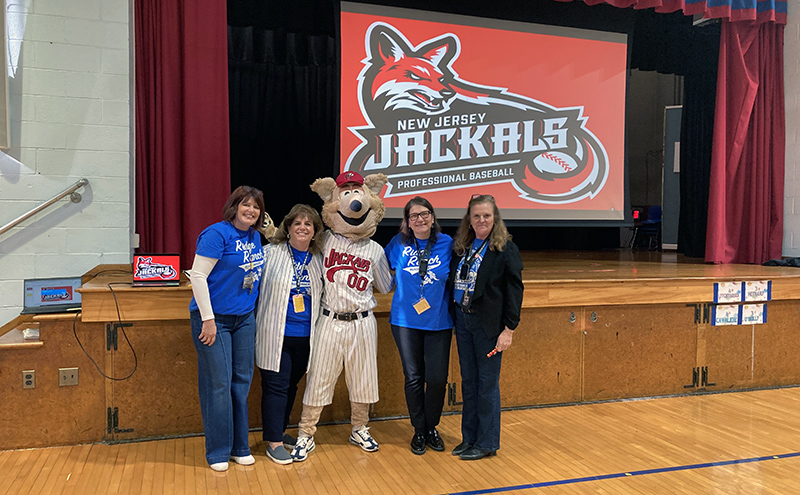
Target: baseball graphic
column 555, row 163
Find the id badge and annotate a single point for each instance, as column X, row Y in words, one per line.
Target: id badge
column 248, row 281
column 421, row 306
column 299, row 303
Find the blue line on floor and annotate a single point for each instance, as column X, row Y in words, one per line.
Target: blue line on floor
column 629, row 473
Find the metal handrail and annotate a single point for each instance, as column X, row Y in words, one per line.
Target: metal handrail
column 73, row 196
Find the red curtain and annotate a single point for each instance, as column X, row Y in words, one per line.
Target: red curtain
column 734, row 10
column 181, row 106
column 745, row 206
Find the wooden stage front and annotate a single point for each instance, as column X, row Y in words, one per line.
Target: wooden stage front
column 595, row 327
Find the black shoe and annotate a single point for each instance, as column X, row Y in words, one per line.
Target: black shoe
column 289, row 440
column 461, row 448
column 418, row 443
column 474, row 454
column 434, row 440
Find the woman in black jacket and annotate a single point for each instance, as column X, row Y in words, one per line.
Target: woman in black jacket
column 486, row 283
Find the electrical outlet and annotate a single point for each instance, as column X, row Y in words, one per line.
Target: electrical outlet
column 67, row 376
column 29, row 379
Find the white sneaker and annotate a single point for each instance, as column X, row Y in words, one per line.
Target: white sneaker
column 363, row 439
column 247, row 460
column 303, row 447
column 219, row 466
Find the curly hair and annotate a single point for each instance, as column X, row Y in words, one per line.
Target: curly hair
column 300, row 210
column 462, row 241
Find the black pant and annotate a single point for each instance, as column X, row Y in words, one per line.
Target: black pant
column 426, row 357
column 278, row 389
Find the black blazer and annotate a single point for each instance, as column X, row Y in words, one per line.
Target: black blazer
column 497, row 299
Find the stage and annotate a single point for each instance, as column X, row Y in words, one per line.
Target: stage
column 595, row 326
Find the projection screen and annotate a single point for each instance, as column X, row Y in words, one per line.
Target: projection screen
column 449, row 106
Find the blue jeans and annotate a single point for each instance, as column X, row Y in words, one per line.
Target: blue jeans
column 480, row 384
column 224, row 373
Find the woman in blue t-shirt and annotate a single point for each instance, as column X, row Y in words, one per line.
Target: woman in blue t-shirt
column 225, row 276
column 421, row 324
column 291, row 291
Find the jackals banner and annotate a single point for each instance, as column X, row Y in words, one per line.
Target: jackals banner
column 449, row 106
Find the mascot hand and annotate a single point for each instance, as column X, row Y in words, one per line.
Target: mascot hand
column 267, row 227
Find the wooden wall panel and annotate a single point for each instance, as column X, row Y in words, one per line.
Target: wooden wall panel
column 638, row 351
column 543, row 365
column 729, row 356
column 777, row 346
column 160, row 399
column 48, row 414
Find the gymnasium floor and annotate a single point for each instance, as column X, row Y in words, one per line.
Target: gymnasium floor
column 727, row 443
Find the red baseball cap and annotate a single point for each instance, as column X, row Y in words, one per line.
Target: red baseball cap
column 349, row 176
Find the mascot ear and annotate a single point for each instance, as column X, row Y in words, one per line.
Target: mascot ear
column 375, row 182
column 324, row 187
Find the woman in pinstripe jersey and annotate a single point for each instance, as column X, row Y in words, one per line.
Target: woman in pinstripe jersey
column 290, row 294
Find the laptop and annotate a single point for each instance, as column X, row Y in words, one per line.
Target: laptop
column 51, row 295
column 156, row 270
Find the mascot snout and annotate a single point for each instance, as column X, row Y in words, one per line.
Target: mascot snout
column 352, row 206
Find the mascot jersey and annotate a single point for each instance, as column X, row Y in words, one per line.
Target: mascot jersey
column 238, row 252
column 404, row 260
column 350, row 270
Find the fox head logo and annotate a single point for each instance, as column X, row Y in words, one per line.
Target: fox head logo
column 405, row 78
column 427, row 122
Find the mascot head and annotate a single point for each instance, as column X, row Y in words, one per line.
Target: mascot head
column 351, row 206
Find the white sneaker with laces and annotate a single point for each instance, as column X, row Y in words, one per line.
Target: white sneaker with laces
column 303, row 447
column 363, row 439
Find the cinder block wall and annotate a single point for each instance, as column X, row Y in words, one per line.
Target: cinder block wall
column 70, row 110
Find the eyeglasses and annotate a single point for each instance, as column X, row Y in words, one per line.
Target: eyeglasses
column 424, row 214
column 483, row 196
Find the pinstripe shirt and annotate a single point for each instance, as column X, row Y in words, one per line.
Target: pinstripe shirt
column 350, row 271
column 276, row 283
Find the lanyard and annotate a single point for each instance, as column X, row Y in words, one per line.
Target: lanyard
column 298, row 268
column 422, row 258
column 466, row 263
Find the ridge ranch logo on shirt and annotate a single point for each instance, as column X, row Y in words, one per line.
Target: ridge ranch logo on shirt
column 252, row 257
column 429, row 130
column 413, row 264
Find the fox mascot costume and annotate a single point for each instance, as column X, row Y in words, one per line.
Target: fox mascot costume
column 347, row 333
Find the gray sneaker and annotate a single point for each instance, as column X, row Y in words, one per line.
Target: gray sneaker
column 279, row 454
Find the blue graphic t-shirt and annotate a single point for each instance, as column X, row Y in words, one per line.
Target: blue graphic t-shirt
column 404, row 260
column 299, row 324
column 468, row 284
column 237, row 252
